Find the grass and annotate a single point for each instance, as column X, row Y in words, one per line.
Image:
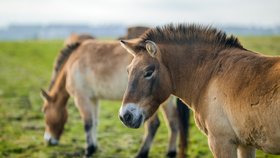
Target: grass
column 26, row 66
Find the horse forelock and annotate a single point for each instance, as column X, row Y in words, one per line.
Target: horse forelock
column 190, row 33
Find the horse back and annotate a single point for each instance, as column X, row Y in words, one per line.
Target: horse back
column 98, row 69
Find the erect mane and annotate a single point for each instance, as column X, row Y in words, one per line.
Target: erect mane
column 61, row 59
column 190, row 33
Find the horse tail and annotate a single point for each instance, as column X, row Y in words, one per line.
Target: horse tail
column 184, row 116
column 61, row 59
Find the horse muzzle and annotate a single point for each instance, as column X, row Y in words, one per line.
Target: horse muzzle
column 131, row 115
column 50, row 140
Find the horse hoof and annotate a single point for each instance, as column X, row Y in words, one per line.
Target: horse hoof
column 171, row 154
column 142, row 155
column 90, row 150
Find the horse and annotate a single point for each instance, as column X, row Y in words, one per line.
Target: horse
column 182, row 110
column 233, row 92
column 90, row 70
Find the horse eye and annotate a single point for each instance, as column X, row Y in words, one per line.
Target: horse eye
column 148, row 74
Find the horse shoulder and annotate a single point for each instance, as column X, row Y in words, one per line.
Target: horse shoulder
column 210, row 114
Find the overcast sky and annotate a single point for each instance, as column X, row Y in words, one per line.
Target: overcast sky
column 131, row 12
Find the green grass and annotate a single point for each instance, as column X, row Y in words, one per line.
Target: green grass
column 26, row 66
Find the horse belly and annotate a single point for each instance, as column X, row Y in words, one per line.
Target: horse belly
column 108, row 90
column 262, row 135
column 272, row 146
column 256, row 125
column 109, row 87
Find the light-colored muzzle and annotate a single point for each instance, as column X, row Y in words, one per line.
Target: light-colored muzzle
column 49, row 139
column 131, row 115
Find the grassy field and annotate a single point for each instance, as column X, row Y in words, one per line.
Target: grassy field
column 26, row 66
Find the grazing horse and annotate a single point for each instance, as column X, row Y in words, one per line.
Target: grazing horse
column 233, row 92
column 90, row 70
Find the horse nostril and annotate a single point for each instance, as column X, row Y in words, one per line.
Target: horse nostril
column 128, row 116
column 121, row 118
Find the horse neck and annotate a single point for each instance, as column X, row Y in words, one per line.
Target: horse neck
column 190, row 69
column 58, row 89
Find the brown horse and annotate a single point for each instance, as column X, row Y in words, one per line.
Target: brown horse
column 182, row 110
column 88, row 71
column 233, row 92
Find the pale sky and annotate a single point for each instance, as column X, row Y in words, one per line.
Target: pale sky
column 144, row 12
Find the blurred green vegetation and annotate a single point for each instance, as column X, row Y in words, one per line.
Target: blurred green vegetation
column 26, row 66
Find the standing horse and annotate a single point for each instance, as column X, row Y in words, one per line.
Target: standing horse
column 233, row 92
column 90, row 71
column 182, row 110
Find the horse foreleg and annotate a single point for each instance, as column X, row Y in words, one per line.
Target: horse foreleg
column 184, row 117
column 171, row 117
column 89, row 112
column 246, row 152
column 222, row 147
column 151, row 127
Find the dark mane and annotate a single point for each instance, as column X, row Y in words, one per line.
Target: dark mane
column 190, row 33
column 61, row 59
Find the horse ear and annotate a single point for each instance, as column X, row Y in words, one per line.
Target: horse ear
column 45, row 95
column 130, row 45
column 151, row 48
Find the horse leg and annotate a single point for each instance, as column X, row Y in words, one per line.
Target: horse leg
column 151, row 127
column 246, row 152
column 222, row 147
column 89, row 112
column 171, row 117
column 184, row 117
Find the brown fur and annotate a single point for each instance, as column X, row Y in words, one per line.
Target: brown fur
column 81, row 66
column 61, row 59
column 77, row 38
column 70, row 44
column 134, row 31
column 233, row 92
column 184, row 33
